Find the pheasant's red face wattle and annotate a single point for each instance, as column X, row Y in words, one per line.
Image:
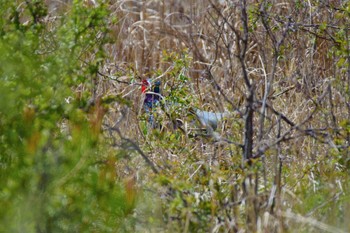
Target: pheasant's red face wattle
column 144, row 86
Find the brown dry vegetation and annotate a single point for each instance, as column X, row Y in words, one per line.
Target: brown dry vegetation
column 285, row 64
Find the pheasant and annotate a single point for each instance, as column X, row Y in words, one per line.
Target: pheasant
column 151, row 99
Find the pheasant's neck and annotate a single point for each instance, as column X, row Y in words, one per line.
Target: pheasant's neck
column 156, row 90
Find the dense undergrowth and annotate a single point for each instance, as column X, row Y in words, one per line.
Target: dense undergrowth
column 77, row 154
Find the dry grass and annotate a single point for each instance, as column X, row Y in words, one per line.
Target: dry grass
column 307, row 86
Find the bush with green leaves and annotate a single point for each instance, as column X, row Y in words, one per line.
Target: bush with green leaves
column 54, row 172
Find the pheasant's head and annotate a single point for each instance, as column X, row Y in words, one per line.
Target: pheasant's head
column 145, row 85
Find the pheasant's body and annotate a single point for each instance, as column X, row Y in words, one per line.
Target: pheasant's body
column 151, row 100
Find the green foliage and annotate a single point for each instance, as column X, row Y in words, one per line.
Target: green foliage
column 50, row 177
column 176, row 102
column 177, row 93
